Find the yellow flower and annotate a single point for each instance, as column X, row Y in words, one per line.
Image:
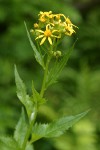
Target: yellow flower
column 36, row 25
column 69, row 27
column 69, row 30
column 68, row 21
column 42, row 19
column 47, row 34
column 45, row 15
column 52, row 26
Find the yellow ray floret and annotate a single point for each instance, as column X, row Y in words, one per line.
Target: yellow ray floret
column 43, row 16
column 47, row 34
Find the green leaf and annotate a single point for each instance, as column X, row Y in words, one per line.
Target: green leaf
column 29, row 147
column 55, row 128
column 58, row 127
column 22, row 94
column 9, row 143
column 21, row 89
column 21, row 129
column 58, row 67
column 36, row 96
column 37, row 55
column 39, row 131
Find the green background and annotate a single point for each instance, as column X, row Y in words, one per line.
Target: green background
column 78, row 88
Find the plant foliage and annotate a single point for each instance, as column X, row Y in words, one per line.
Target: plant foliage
column 55, row 128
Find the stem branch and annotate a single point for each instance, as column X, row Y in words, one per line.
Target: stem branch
column 45, row 77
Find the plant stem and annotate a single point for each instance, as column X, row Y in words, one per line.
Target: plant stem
column 35, row 111
column 45, row 77
column 29, row 129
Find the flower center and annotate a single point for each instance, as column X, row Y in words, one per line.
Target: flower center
column 47, row 33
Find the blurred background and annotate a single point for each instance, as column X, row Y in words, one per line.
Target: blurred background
column 78, row 88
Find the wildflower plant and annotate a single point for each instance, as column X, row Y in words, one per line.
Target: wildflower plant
column 48, row 32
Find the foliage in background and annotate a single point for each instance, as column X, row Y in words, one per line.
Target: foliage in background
column 79, row 83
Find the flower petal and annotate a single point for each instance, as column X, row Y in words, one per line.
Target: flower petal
column 50, row 41
column 56, row 36
column 43, row 40
column 40, row 36
column 39, row 31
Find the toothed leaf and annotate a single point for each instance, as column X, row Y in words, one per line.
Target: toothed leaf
column 21, row 129
column 58, row 127
column 22, row 94
column 21, row 89
column 9, row 143
column 39, row 131
column 55, row 128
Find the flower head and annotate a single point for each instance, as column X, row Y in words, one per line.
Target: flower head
column 52, row 26
column 47, row 34
column 45, row 16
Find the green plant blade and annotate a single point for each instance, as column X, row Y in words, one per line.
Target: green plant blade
column 37, row 55
column 21, row 89
column 9, row 143
column 20, row 129
column 58, row 67
column 36, row 96
column 39, row 131
column 55, row 128
column 29, row 147
column 22, row 94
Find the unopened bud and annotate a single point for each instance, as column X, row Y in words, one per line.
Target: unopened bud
column 36, row 25
column 57, row 54
column 32, row 31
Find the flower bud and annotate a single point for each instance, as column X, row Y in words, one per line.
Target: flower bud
column 57, row 54
column 36, row 25
column 31, row 30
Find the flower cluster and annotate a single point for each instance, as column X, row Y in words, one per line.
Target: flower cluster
column 52, row 26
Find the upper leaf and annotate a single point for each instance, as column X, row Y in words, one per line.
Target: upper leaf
column 58, row 67
column 55, row 128
column 20, row 129
column 37, row 55
column 36, row 96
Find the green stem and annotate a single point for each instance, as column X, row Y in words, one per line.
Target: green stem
column 29, row 129
column 45, row 77
column 35, row 111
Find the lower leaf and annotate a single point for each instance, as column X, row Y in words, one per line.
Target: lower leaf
column 21, row 129
column 55, row 128
column 9, row 143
